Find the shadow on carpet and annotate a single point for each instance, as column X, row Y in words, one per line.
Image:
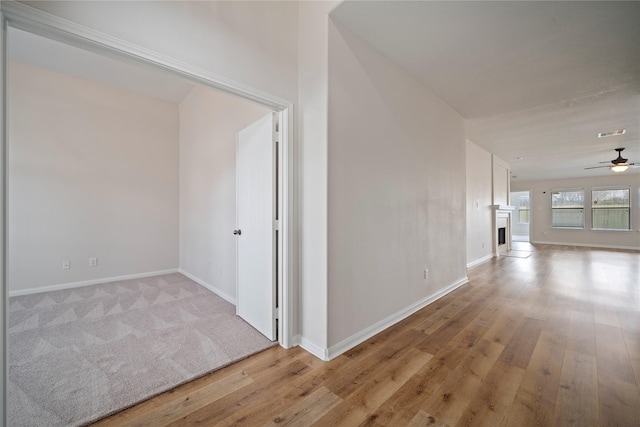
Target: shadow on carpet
column 78, row 355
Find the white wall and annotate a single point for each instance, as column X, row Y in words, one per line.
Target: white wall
column 541, row 231
column 501, row 180
column 93, row 172
column 479, row 200
column 313, row 57
column 395, row 206
column 253, row 42
column 209, row 122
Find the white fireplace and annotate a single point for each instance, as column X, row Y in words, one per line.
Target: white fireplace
column 502, row 228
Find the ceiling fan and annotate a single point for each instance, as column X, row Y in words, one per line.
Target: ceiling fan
column 618, row 164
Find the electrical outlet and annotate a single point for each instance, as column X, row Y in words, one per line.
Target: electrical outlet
column 66, row 265
column 93, row 262
column 426, row 273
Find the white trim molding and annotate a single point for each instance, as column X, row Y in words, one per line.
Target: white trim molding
column 4, row 309
column 313, row 348
column 356, row 339
column 480, row 260
column 589, row 245
column 209, row 286
column 53, row 27
column 497, row 160
column 71, row 285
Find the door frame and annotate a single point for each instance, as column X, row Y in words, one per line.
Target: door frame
column 23, row 17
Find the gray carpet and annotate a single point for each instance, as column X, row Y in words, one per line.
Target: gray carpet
column 78, row 355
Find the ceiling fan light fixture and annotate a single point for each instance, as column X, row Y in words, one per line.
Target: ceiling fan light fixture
column 619, row 168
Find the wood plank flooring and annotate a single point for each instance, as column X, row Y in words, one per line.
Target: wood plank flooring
column 548, row 340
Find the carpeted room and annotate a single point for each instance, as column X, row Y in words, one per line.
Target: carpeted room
column 110, row 185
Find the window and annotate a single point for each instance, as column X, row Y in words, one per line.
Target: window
column 523, row 210
column 567, row 208
column 611, row 209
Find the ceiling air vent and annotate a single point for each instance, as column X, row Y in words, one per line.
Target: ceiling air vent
column 612, row 133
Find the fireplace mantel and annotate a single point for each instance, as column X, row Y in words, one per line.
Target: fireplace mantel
column 502, row 219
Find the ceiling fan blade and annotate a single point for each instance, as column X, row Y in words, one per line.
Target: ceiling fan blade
column 619, row 161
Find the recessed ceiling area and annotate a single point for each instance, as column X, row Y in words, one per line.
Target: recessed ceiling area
column 42, row 52
column 535, row 81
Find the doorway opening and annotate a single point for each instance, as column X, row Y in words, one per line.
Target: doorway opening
column 96, row 43
column 19, row 18
column 520, row 229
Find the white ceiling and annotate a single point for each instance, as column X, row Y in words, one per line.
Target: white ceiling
column 537, row 80
column 41, row 52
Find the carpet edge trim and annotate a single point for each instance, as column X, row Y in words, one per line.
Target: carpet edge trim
column 173, row 387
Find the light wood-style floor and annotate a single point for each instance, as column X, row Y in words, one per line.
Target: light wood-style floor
column 552, row 339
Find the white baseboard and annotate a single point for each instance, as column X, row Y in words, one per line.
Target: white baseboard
column 313, row 348
column 295, row 341
column 212, row 288
column 480, row 260
column 89, row 282
column 589, row 245
column 365, row 334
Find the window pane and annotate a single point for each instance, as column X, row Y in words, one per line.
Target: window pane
column 567, row 218
column 611, row 209
column 567, row 208
column 567, row 199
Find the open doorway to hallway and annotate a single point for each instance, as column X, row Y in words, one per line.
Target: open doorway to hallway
column 521, row 217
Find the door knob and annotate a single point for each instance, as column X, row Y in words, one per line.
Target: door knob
column 237, row 232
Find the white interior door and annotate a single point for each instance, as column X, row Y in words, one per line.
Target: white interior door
column 255, row 210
